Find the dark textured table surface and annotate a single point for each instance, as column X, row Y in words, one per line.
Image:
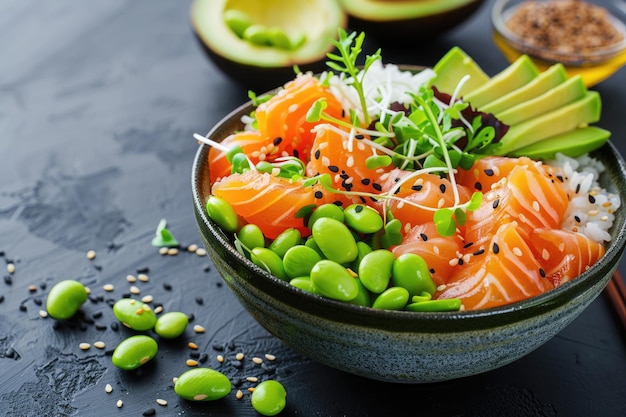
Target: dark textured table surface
column 98, row 104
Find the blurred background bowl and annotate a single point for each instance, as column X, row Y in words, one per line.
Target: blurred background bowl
column 401, row 346
column 594, row 65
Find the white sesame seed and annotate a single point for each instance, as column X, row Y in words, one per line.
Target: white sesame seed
column 163, row 251
column 43, row 314
column 517, row 251
column 191, row 362
column 143, row 278
column 192, row 345
column 91, row 254
column 604, row 218
column 220, row 358
column 436, row 250
column 108, row 388
column 192, row 248
column 131, row 278
column 175, row 380
column 108, row 287
column 10, row 267
column 84, row 346
column 199, row 397
column 593, row 213
column 161, row 402
column 147, row 298
column 270, row 357
column 536, row 206
column 201, row 252
column 325, row 161
column 545, row 254
column 257, row 360
column 441, row 287
column 239, row 356
column 251, row 389
column 453, row 262
column 99, row 345
column 198, row 329
column 441, row 202
column 158, row 309
column 252, row 379
column 172, row 251
column 134, row 290
column 239, row 394
column 350, row 161
column 119, row 403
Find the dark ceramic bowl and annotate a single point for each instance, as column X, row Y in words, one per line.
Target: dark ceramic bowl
column 401, row 346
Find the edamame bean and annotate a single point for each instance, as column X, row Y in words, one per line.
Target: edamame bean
column 237, row 21
column 299, row 261
column 448, row 304
column 134, row 314
column 251, row 236
column 171, row 325
column 222, row 213
column 202, row 384
column 410, row 271
column 326, row 210
column 134, row 351
column 394, row 298
column 304, row 283
column 269, row 398
column 375, row 270
column 363, row 219
column 284, row 241
column 257, row 34
column 311, row 243
column 65, row 298
column 270, row 261
column 363, row 249
column 334, row 240
column 363, row 298
column 332, row 280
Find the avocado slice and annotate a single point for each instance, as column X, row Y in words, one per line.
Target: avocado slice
column 258, row 43
column 572, row 89
column 573, row 144
column 452, row 67
column 569, row 117
column 553, row 76
column 402, row 20
column 516, row 75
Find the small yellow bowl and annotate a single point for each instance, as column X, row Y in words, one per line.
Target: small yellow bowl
column 593, row 66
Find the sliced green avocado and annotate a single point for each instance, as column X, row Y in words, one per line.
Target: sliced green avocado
column 572, row 89
column 573, row 144
column 546, row 80
column 569, row 117
column 452, row 67
column 250, row 40
column 516, row 75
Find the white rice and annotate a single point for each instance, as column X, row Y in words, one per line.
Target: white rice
column 591, row 208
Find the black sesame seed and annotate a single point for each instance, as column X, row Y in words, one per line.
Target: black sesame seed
column 489, row 172
column 432, row 270
column 359, row 137
column 592, row 199
column 467, row 245
column 199, row 301
column 277, row 140
column 296, row 153
column 37, row 301
column 338, row 203
column 203, row 358
column 417, row 187
column 365, row 181
column 194, row 355
column 542, row 272
column 577, row 219
column 478, row 186
column 23, row 307
column 479, row 252
column 98, row 267
column 559, row 177
column 114, row 326
column 317, row 154
column 268, row 369
column 207, row 268
column 237, row 382
column 93, row 299
column 43, row 285
column 424, row 237
column 333, row 168
column 377, row 187
column 496, row 248
column 396, row 179
column 442, row 187
column 236, row 364
column 8, row 280
column 461, row 261
column 218, row 347
column 496, row 203
column 191, row 317
column 577, row 188
column 218, row 284
column 318, row 194
column 358, row 208
column 1, row 298
column 167, row 287
column 149, row 412
column 100, row 326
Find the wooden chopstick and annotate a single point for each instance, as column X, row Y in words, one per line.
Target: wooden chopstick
column 616, row 290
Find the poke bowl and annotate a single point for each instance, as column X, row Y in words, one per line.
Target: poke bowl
column 399, row 345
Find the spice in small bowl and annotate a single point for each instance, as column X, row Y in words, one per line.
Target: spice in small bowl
column 573, row 32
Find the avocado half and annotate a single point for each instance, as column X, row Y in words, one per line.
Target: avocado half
column 402, row 20
column 307, row 26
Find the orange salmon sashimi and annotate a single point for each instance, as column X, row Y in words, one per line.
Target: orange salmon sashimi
column 270, row 202
column 282, row 119
column 421, row 195
column 489, row 170
column 564, row 254
column 527, row 195
column 505, row 272
column 436, row 250
column 249, row 141
column 344, row 159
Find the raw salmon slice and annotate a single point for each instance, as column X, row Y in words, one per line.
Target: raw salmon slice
column 487, row 171
column 270, row 202
column 249, row 141
column 506, row 272
column 438, row 251
column 564, row 254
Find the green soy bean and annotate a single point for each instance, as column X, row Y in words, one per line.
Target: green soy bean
column 411, row 271
column 394, row 298
column 134, row 351
column 332, row 280
column 251, row 236
column 363, row 219
column 311, row 243
column 269, row 398
column 202, row 384
column 375, row 270
column 326, row 210
column 270, row 261
column 222, row 213
column 363, row 249
column 304, row 283
column 335, row 240
column 284, row 241
column 171, row 325
column 237, row 21
column 134, row 314
column 363, row 298
column 65, row 298
column 448, row 304
column 299, row 261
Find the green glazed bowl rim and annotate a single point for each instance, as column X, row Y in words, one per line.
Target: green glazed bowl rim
column 613, row 179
